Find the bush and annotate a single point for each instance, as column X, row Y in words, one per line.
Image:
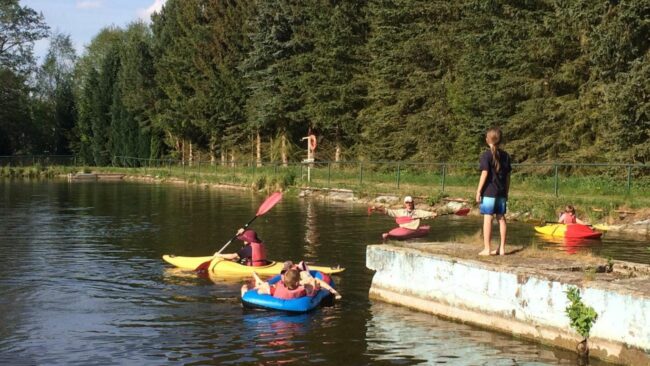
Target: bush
column 581, row 316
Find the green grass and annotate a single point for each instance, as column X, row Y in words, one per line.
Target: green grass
column 35, row 171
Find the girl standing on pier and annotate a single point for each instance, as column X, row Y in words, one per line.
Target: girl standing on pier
column 492, row 191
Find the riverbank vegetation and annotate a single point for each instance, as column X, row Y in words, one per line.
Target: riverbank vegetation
column 531, row 199
column 400, row 80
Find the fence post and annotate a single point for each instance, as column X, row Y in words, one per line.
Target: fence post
column 199, row 173
column 398, row 174
column 629, row 178
column 556, row 182
column 444, row 175
column 329, row 173
column 360, row 173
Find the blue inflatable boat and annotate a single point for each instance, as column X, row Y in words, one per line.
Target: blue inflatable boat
column 253, row 300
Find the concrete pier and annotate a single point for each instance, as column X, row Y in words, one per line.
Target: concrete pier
column 523, row 293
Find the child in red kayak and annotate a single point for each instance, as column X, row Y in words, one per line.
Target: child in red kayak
column 569, row 216
column 410, row 217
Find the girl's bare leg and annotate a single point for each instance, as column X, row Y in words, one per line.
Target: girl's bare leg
column 487, row 234
column 502, row 230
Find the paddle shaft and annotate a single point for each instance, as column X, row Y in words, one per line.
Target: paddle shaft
column 235, row 237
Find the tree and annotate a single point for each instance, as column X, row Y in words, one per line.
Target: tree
column 20, row 27
column 280, row 48
column 15, row 121
column 53, row 101
column 333, row 86
column 412, row 55
column 94, row 96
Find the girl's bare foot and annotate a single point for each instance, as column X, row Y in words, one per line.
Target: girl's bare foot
column 485, row 252
column 244, row 288
column 494, row 252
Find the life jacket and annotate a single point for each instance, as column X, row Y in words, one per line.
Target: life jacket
column 259, row 255
column 568, row 218
column 282, row 292
column 325, row 278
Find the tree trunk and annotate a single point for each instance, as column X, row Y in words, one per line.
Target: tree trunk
column 259, row 149
column 213, row 155
column 583, row 349
column 337, row 150
column 232, row 158
column 191, row 155
column 283, row 150
column 223, row 157
column 182, row 142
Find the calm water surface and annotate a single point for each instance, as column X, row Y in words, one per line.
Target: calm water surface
column 82, row 282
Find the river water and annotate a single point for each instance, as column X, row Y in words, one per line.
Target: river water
column 82, row 282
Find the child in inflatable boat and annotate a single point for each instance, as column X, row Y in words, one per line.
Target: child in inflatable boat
column 296, row 282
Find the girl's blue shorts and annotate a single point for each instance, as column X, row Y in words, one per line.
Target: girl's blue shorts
column 493, row 205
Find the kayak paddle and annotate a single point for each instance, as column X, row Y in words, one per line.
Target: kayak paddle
column 406, row 219
column 264, row 208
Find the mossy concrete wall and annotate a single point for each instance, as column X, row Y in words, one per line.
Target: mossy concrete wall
column 524, row 301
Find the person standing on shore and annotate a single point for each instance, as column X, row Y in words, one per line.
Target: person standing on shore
column 492, row 191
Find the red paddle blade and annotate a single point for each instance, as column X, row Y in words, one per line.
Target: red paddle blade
column 462, row 212
column 203, row 267
column 269, row 203
column 403, row 220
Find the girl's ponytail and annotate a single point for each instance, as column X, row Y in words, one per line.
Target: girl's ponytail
column 493, row 137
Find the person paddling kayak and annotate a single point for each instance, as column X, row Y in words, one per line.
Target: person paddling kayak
column 407, row 217
column 569, row 216
column 253, row 253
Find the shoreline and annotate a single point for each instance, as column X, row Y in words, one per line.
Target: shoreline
column 633, row 227
column 620, row 220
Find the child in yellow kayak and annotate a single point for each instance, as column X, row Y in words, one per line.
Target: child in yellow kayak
column 569, row 216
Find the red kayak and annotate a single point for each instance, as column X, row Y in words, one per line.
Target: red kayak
column 572, row 231
column 400, row 233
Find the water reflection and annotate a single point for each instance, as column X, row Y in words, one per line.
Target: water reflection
column 570, row 245
column 311, row 230
column 406, row 337
column 279, row 338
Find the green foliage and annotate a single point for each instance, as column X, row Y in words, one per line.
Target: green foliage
column 377, row 79
column 436, row 198
column 20, row 26
column 54, row 105
column 581, row 316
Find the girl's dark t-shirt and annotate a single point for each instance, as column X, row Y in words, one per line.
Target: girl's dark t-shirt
column 495, row 185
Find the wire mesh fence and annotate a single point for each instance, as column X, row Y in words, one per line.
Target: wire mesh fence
column 32, row 160
column 451, row 178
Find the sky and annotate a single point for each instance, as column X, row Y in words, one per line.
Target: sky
column 83, row 19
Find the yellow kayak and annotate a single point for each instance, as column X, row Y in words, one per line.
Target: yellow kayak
column 574, row 231
column 226, row 267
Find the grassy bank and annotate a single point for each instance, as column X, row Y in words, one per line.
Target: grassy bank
column 598, row 198
column 36, row 171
